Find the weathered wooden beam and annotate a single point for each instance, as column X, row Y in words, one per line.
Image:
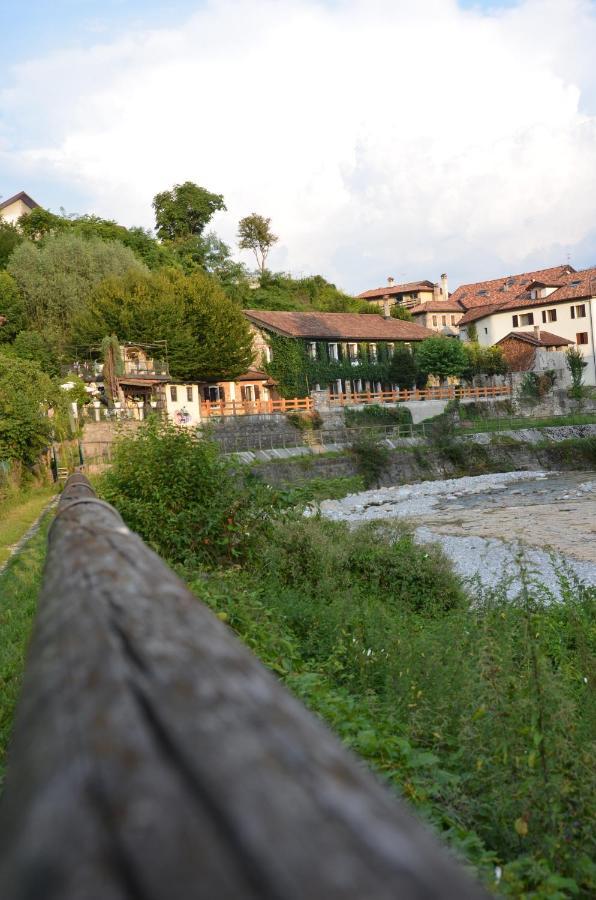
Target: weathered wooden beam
column 154, row 757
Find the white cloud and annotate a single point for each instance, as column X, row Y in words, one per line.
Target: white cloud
column 381, row 136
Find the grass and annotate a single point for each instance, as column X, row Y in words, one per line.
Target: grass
column 19, row 587
column 520, row 422
column 18, row 513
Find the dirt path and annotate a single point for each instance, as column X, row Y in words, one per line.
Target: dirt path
column 33, row 529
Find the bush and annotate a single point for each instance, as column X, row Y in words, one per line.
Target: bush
column 189, row 503
column 305, row 421
column 372, row 457
column 375, row 414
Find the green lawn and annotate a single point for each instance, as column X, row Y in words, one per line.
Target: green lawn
column 18, row 513
column 19, row 587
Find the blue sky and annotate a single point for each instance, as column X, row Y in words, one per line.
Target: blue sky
column 382, row 136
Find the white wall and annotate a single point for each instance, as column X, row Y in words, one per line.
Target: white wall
column 13, row 213
column 492, row 328
column 183, row 411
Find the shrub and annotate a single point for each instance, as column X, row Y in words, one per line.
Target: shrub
column 305, row 421
column 372, row 457
column 576, row 365
column 188, row 502
column 375, row 414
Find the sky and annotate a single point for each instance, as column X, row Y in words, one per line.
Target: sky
column 382, row 137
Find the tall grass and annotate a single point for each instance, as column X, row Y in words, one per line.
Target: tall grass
column 476, row 708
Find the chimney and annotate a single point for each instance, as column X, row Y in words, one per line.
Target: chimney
column 444, row 289
column 436, row 292
column 386, row 312
column 537, row 332
column 390, row 280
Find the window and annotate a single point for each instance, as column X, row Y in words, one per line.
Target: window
column 527, row 319
column 189, row 393
column 312, row 350
column 435, row 321
column 373, row 352
column 549, row 315
column 453, row 320
column 173, row 393
column 578, row 312
column 544, row 315
column 268, row 353
column 486, row 330
column 246, row 393
column 353, row 351
column 332, row 348
column 443, row 320
column 581, row 338
column 515, row 321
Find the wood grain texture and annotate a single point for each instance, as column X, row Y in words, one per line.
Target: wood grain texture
column 154, row 757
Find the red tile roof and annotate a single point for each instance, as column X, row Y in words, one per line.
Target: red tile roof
column 572, row 285
column 439, row 306
column 546, row 338
column 387, row 290
column 499, row 290
column 337, row 326
column 27, row 200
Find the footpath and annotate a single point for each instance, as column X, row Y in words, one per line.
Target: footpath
column 33, row 529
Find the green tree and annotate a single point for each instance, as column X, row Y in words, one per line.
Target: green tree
column 442, row 357
column 483, row 360
column 9, row 239
column 34, row 346
column 57, row 278
column 26, row 393
column 40, row 223
column 400, row 312
column 207, row 334
column 254, row 233
column 12, row 308
column 185, row 211
column 403, row 368
column 576, row 365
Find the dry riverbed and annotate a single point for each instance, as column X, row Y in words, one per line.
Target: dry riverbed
column 486, row 523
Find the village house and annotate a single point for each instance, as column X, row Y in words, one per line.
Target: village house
column 408, row 295
column 12, row 209
column 534, row 351
column 345, row 339
column 187, row 403
column 560, row 299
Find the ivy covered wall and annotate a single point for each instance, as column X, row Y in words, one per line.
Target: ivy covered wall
column 297, row 372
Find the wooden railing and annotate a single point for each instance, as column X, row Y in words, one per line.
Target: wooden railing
column 155, row 758
column 448, row 392
column 254, row 407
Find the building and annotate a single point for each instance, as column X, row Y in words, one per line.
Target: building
column 189, row 402
column 442, row 316
column 12, row 209
column 533, row 351
column 411, row 294
column 344, row 341
column 560, row 299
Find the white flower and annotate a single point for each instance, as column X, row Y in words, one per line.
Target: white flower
column 498, row 873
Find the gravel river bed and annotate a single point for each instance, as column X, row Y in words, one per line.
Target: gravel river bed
column 486, row 524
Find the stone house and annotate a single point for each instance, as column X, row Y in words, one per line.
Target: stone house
column 534, row 351
column 337, row 341
column 411, row 294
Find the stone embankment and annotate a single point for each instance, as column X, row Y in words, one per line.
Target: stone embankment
column 492, row 526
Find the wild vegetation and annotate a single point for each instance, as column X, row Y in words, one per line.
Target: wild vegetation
column 476, row 708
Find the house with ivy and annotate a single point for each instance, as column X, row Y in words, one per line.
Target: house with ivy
column 341, row 352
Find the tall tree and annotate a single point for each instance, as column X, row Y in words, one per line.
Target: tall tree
column 207, row 334
column 442, row 357
column 185, row 211
column 403, row 368
column 12, row 308
column 57, row 278
column 10, row 237
column 254, row 233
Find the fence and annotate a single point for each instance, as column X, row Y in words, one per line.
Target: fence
column 448, row 392
column 254, row 407
column 154, row 757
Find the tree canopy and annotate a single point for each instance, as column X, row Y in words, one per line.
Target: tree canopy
column 185, row 211
column 207, row 335
column 25, row 395
column 254, row 233
column 56, row 279
column 403, row 368
column 442, row 357
column 9, row 239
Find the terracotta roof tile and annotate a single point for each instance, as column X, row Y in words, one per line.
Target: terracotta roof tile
column 388, row 290
column 439, row 306
column 546, row 339
column 337, row 326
